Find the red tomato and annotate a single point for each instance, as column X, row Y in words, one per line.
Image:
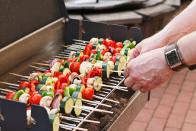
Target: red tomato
column 119, row 45
column 63, row 78
column 24, row 84
column 83, row 58
column 72, row 59
column 117, row 50
column 91, row 73
column 35, row 99
column 57, row 85
column 33, row 84
column 84, row 80
column 75, row 67
column 113, row 58
column 87, row 51
column 88, row 93
column 113, row 44
column 107, row 42
column 104, row 51
column 10, row 95
column 59, row 91
column 57, row 74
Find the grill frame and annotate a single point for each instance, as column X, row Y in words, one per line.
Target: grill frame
column 51, row 38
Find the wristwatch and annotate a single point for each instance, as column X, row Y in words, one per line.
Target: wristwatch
column 174, row 57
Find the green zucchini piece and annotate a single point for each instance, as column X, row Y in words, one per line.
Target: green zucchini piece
column 97, row 83
column 118, row 67
column 72, row 88
column 66, row 64
column 77, row 95
column 18, row 94
column 39, row 86
column 105, row 70
column 44, row 79
column 78, row 103
column 61, row 68
column 54, row 121
column 80, row 87
column 66, row 70
column 66, row 105
column 66, row 91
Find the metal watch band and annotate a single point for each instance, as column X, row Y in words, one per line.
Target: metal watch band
column 178, row 53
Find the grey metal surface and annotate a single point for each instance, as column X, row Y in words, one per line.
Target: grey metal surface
column 42, row 45
column 103, row 4
column 21, row 17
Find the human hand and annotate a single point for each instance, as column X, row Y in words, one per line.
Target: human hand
column 147, row 71
column 149, row 44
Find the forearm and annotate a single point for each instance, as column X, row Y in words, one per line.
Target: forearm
column 181, row 25
column 187, row 46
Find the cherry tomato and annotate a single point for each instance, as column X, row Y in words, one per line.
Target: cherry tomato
column 113, row 58
column 10, row 95
column 84, row 80
column 119, row 45
column 91, row 73
column 88, row 93
column 117, row 50
column 33, row 84
column 113, row 43
column 104, row 51
column 83, row 58
column 57, row 85
column 107, row 42
column 87, row 51
column 24, row 84
column 57, row 74
column 35, row 99
column 75, row 67
column 63, row 78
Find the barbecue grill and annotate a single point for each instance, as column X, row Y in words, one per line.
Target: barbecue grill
column 48, row 43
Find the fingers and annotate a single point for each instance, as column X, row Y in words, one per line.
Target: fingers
column 128, row 82
column 137, row 50
column 136, row 87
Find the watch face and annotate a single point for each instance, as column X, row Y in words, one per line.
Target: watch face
column 172, row 58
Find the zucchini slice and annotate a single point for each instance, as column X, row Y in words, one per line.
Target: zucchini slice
column 66, row 105
column 78, row 103
column 77, row 95
column 72, row 88
column 46, row 101
column 80, row 87
column 97, row 83
column 66, row 70
column 18, row 94
column 105, row 70
column 54, row 121
column 118, row 67
column 123, row 62
column 66, row 91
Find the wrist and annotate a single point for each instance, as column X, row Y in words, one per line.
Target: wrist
column 185, row 54
column 174, row 57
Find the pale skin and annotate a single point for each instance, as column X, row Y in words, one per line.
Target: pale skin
column 149, row 68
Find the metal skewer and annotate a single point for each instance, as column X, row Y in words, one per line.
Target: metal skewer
column 80, row 119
